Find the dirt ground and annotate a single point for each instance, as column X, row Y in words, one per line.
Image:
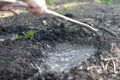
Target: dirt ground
column 23, row 59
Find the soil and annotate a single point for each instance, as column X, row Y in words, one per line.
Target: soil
column 23, row 59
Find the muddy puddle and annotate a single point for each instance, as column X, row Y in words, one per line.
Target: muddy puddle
column 69, row 55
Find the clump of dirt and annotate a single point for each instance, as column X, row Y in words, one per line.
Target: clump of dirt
column 24, row 59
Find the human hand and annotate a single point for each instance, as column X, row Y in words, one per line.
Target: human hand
column 6, row 6
column 36, row 6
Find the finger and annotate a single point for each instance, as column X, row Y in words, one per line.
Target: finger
column 14, row 12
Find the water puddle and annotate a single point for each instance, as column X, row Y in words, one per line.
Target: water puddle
column 68, row 56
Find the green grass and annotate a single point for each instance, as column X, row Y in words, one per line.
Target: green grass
column 28, row 34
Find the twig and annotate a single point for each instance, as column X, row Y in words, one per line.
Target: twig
column 114, row 66
column 63, row 17
column 105, row 66
column 108, row 59
column 71, row 20
column 92, row 67
column 37, row 74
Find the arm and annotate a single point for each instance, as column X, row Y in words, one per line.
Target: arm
column 35, row 6
column 6, row 6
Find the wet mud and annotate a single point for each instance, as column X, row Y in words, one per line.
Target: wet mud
column 55, row 41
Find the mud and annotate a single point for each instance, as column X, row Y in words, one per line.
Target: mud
column 28, row 59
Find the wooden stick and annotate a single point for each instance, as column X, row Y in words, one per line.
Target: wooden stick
column 63, row 17
column 71, row 20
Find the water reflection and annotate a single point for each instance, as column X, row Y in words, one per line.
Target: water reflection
column 68, row 56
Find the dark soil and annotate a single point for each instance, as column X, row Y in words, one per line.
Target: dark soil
column 23, row 59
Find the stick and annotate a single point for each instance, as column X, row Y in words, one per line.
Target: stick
column 63, row 17
column 71, row 20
